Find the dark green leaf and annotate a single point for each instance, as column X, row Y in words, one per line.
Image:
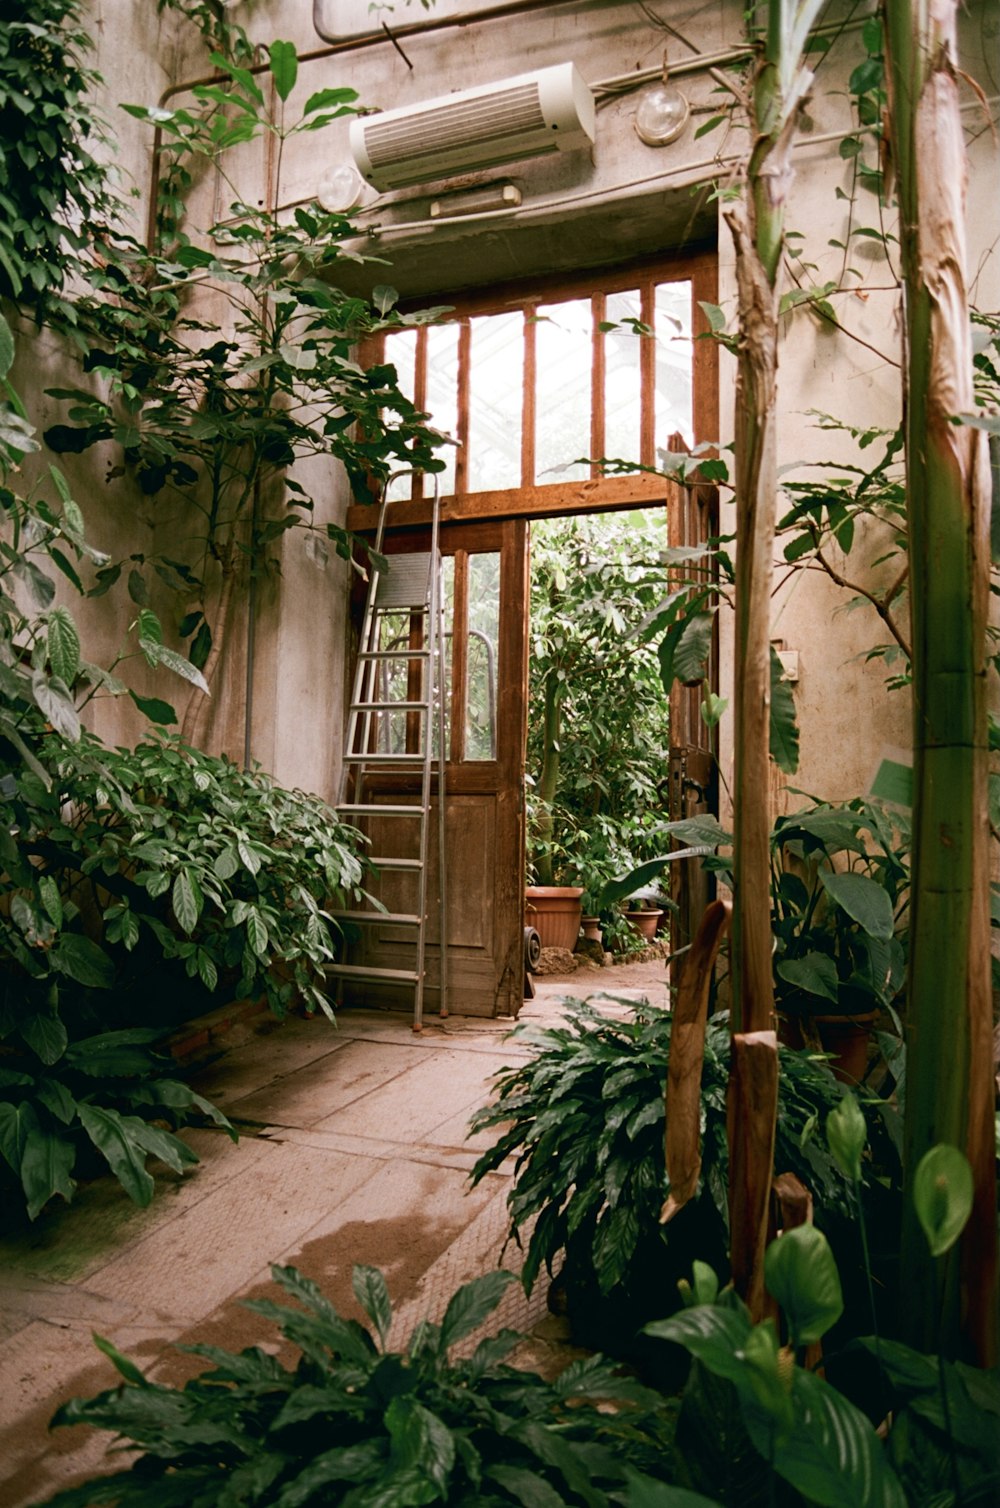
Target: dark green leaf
column 943, row 1192
column 45, row 1034
column 284, row 67
column 816, row 973
column 784, row 730
column 46, row 1166
column 372, row 1294
column 16, row 1124
column 472, row 1305
column 158, row 712
column 63, row 645
column 864, row 900
column 83, row 961
column 801, row 1274
column 126, row 1158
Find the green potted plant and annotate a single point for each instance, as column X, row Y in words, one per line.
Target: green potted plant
column 598, row 735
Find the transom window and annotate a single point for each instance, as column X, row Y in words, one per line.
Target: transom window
column 539, row 387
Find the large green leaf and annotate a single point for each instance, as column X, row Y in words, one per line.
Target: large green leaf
column 45, row 1034
column 186, row 899
column 943, row 1193
column 801, row 1274
column 693, row 647
column 162, row 1144
column 864, row 900
column 63, row 645
column 716, row 1336
column 638, row 878
column 16, row 1124
column 349, row 1463
column 6, row 347
column 831, row 1455
column 83, row 960
column 372, row 1294
column 525, row 1487
column 121, row 1053
column 159, row 654
column 816, row 973
column 56, row 705
column 46, row 1167
column 284, row 68
column 472, row 1305
column 784, row 730
column 847, row 1135
column 124, row 1155
column 421, row 1440
column 644, row 1492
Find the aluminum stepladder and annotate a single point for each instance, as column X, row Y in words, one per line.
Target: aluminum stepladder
column 410, row 589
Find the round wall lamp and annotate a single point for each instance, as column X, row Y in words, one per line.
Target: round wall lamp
column 340, row 188
column 661, row 114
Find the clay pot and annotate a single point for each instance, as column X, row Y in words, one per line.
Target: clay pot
column 592, row 929
column 844, row 1038
column 644, row 922
column 554, row 911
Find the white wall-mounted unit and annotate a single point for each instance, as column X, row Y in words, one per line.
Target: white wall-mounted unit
column 528, row 116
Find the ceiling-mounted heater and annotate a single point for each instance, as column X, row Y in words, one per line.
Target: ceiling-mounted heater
column 528, row 116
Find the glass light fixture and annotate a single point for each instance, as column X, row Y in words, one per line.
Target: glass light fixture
column 661, row 114
column 340, row 188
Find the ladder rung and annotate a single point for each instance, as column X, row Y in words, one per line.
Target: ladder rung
column 390, row 863
column 374, row 809
column 358, row 971
column 394, row 654
column 389, row 706
column 409, row 759
column 396, row 918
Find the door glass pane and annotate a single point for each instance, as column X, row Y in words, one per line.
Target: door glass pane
column 623, row 377
column 401, row 352
column 674, row 363
column 442, row 397
column 496, row 398
column 396, row 732
column 448, row 599
column 481, row 670
column 562, row 390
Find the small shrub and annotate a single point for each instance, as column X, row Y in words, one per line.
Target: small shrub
column 356, row 1423
column 584, row 1118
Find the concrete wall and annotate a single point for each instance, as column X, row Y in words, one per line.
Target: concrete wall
column 578, row 210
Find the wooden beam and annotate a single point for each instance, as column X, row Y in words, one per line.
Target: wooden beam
column 599, row 495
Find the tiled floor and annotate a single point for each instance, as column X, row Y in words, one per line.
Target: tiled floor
column 353, row 1149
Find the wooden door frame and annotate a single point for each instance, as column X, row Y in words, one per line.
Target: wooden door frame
column 688, row 759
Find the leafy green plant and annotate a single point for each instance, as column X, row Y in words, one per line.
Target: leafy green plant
column 598, row 737
column 209, row 411
column 584, row 1119
column 796, row 1424
column 358, row 1423
column 98, row 1102
column 55, row 191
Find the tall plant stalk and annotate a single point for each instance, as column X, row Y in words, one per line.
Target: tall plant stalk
column 949, row 1018
column 757, row 224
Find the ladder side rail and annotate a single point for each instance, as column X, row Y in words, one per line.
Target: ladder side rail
column 439, row 662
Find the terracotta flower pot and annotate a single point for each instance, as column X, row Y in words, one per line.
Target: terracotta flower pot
column 592, row 928
column 644, row 922
column 554, row 911
column 845, row 1038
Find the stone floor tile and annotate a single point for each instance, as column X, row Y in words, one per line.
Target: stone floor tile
column 306, row 1096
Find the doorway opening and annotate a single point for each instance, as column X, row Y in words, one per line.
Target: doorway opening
column 561, row 397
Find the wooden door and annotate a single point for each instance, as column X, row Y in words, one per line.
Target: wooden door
column 485, row 594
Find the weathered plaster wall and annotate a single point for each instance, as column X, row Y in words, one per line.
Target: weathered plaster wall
column 578, row 211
